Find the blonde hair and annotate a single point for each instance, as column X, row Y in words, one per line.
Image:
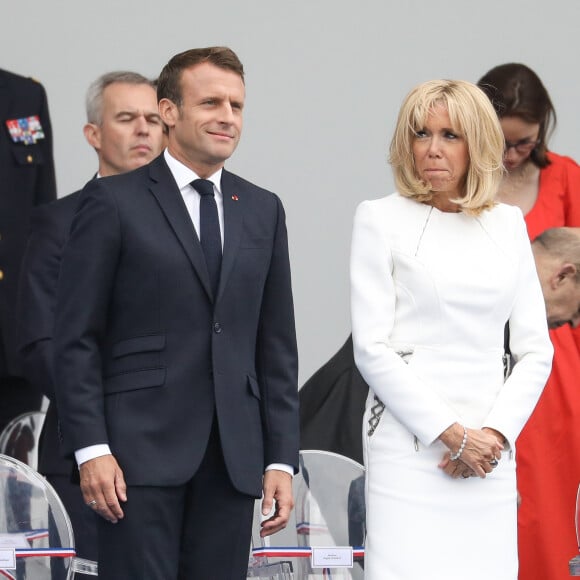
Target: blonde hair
column 470, row 113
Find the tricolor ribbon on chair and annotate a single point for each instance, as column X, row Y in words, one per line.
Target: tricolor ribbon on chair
column 296, row 552
column 36, row 535
column 39, row 552
column 307, row 528
column 45, row 552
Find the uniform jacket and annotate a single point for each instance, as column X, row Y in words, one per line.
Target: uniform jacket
column 26, row 180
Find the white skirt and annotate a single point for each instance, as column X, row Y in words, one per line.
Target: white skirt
column 421, row 523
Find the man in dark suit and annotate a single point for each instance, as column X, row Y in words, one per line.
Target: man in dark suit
column 126, row 131
column 26, row 180
column 175, row 374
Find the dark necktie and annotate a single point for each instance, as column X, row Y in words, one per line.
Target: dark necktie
column 209, row 230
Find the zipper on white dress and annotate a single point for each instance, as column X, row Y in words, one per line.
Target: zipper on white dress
column 423, row 230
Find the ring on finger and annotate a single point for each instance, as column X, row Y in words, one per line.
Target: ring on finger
column 92, row 503
column 493, row 462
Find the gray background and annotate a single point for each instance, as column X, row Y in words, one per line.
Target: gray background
column 325, row 79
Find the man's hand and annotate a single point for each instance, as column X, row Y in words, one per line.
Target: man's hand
column 278, row 489
column 103, row 487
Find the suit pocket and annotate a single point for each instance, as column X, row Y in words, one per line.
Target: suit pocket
column 30, row 155
column 251, row 242
column 135, row 380
column 149, row 343
column 254, row 387
column 135, row 363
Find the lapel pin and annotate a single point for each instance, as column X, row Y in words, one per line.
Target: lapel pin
column 235, row 197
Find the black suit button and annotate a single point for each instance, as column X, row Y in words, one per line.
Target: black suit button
column 217, row 327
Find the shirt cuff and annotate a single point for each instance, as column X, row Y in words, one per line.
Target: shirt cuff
column 281, row 467
column 91, row 452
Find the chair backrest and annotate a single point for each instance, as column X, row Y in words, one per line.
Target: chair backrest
column 578, row 517
column 574, row 564
column 329, row 511
column 33, row 523
column 35, row 528
column 19, row 439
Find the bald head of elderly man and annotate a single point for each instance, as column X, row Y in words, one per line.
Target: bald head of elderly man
column 557, row 255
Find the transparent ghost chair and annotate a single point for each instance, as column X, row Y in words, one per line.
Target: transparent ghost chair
column 575, row 562
column 329, row 512
column 36, row 536
column 19, row 439
column 269, row 571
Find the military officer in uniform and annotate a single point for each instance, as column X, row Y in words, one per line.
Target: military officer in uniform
column 27, row 179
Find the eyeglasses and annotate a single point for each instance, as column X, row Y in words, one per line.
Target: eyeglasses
column 523, row 146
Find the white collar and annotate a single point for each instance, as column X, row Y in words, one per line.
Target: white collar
column 183, row 175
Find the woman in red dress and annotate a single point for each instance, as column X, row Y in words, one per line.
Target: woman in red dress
column 546, row 187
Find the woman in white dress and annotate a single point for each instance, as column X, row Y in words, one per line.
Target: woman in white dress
column 437, row 269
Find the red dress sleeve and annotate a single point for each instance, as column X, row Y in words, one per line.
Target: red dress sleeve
column 558, row 202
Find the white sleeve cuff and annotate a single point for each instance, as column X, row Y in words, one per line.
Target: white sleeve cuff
column 281, row 467
column 91, row 452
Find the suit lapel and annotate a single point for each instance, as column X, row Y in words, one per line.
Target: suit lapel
column 165, row 190
column 234, row 206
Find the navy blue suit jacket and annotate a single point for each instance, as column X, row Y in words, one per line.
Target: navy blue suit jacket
column 49, row 227
column 145, row 355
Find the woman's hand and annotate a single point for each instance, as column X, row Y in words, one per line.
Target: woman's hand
column 480, row 455
column 456, row 469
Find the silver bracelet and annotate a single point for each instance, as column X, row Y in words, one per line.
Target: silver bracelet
column 457, row 455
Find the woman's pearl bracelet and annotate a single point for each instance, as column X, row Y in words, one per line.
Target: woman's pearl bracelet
column 457, row 455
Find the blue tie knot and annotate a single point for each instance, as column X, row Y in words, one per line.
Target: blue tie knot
column 203, row 186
